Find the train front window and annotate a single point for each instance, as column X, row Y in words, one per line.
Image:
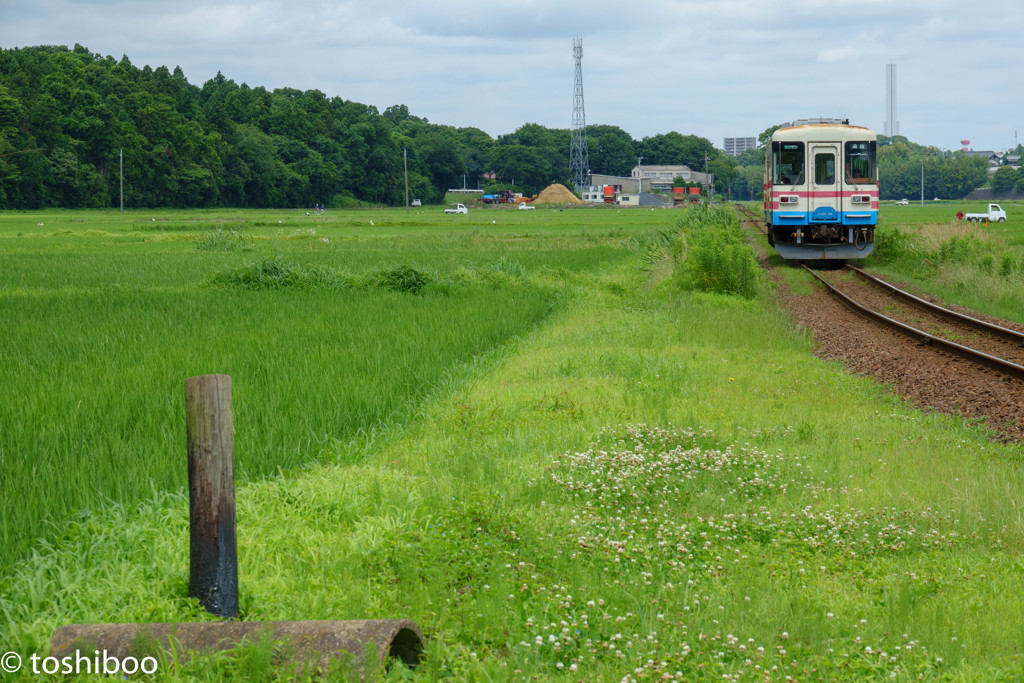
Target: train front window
column 787, row 163
column 860, row 163
column 825, row 168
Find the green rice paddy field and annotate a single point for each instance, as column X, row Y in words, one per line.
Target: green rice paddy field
column 516, row 428
column 105, row 316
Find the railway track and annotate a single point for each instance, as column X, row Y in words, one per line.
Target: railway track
column 992, row 346
column 945, row 325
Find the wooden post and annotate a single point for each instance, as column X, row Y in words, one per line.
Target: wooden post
column 213, row 554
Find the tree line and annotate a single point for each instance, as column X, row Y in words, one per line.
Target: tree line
column 67, row 115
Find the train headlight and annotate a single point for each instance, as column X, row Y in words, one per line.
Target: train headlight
column 788, row 199
column 861, row 199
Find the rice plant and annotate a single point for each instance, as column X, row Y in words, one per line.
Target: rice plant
column 101, row 330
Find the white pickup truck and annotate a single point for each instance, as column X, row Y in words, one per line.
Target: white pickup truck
column 523, row 206
column 994, row 215
column 459, row 208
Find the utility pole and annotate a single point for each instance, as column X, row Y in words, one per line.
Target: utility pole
column 120, row 154
column 711, row 181
column 922, row 182
column 639, row 178
column 405, row 165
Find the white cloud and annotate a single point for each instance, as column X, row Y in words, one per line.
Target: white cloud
column 716, row 69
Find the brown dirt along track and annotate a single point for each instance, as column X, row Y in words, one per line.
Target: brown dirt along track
column 897, row 309
column 932, row 380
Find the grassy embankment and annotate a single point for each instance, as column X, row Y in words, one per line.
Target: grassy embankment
column 776, row 517
column 971, row 264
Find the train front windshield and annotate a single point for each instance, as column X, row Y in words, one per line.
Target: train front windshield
column 787, row 163
column 860, row 163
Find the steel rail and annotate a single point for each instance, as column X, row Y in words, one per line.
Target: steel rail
column 1002, row 332
column 973, row 355
column 751, row 216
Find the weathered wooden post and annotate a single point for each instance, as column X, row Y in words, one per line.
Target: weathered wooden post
column 213, row 553
column 213, row 576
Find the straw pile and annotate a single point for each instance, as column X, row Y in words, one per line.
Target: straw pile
column 557, row 194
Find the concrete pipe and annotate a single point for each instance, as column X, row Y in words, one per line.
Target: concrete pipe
column 308, row 644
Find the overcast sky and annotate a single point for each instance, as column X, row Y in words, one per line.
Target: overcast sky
column 714, row 68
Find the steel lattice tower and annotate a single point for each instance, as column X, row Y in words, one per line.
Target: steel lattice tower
column 579, row 164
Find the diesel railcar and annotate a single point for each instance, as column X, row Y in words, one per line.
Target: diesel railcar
column 821, row 190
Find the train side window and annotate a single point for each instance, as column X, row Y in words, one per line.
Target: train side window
column 860, row 163
column 825, row 168
column 787, row 163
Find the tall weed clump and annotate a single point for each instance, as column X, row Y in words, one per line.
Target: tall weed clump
column 277, row 272
column 652, row 245
column 220, row 239
column 962, row 249
column 893, row 245
column 712, row 254
column 402, row 278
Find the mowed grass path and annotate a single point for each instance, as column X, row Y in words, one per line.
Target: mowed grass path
column 650, row 484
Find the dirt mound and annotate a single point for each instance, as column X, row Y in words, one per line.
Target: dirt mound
column 557, row 194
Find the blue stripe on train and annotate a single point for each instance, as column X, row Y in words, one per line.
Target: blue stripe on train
column 860, row 217
column 788, row 217
column 857, row 217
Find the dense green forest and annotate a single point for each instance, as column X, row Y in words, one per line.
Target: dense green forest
column 66, row 115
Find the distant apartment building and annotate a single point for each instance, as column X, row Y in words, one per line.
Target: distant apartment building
column 737, row 146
